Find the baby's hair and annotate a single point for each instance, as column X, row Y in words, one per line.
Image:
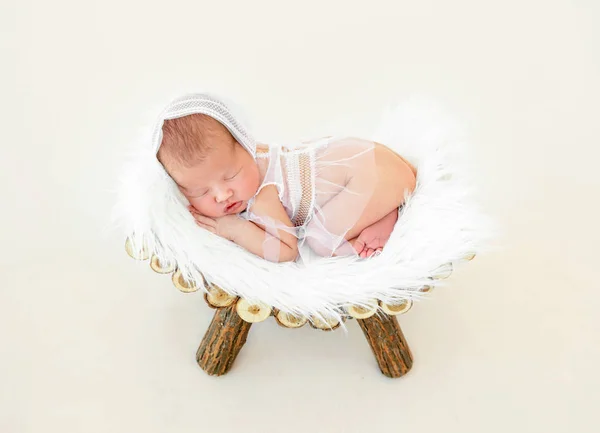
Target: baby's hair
column 189, row 139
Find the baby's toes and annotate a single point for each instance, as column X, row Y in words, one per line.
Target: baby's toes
column 358, row 246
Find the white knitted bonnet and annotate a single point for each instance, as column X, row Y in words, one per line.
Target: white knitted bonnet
column 211, row 105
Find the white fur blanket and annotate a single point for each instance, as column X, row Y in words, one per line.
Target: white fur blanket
column 438, row 225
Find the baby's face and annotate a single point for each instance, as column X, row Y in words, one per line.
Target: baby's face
column 223, row 183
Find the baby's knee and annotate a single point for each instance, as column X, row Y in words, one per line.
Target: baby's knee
column 319, row 247
column 322, row 241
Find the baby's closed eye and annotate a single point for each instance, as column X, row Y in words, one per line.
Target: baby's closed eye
column 231, row 177
column 198, row 195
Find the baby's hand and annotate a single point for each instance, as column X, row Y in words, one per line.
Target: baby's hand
column 225, row 226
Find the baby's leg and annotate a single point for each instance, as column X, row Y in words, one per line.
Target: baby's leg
column 372, row 180
column 374, row 186
column 365, row 204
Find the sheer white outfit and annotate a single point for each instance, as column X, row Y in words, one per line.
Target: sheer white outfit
column 324, row 186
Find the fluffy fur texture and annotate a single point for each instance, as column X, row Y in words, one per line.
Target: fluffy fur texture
column 438, row 225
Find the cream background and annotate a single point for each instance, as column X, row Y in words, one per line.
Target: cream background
column 91, row 343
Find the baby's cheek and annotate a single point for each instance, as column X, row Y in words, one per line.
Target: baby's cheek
column 249, row 186
column 194, row 202
column 200, row 205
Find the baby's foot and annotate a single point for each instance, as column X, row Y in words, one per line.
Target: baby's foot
column 372, row 239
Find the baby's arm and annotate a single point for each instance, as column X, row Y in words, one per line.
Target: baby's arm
column 274, row 244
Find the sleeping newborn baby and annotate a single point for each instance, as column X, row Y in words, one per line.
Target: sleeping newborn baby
column 332, row 196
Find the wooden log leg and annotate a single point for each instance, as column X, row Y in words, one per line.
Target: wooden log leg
column 388, row 344
column 222, row 342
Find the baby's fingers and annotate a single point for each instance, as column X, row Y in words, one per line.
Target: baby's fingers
column 206, row 227
column 203, row 219
column 206, row 221
column 193, row 210
column 358, row 246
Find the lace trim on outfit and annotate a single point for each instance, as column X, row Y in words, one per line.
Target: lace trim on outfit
column 292, row 171
column 300, row 180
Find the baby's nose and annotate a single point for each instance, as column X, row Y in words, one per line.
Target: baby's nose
column 223, row 195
